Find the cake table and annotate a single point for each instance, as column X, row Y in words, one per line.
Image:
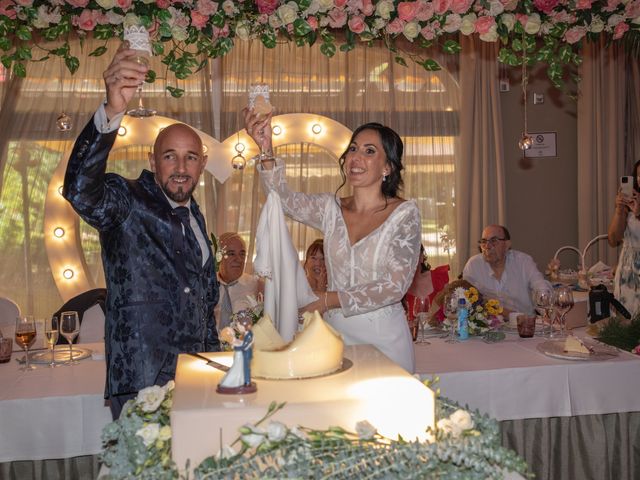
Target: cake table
column 369, row 387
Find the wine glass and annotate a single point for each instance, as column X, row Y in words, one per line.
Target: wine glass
column 563, row 302
column 259, row 103
column 450, row 309
column 138, row 38
column 69, row 329
column 542, row 298
column 51, row 332
column 25, row 336
column 420, row 310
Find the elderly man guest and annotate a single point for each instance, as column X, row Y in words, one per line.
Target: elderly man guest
column 502, row 273
column 160, row 275
column 236, row 285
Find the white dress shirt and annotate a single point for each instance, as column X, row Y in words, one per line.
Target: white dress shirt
column 246, row 285
column 519, row 278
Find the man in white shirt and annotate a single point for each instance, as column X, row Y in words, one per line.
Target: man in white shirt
column 502, row 273
column 235, row 285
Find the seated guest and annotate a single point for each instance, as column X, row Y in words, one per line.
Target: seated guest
column 314, row 266
column 502, row 273
column 235, row 285
column 426, row 283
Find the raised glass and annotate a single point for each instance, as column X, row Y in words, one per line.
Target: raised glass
column 260, row 104
column 138, row 38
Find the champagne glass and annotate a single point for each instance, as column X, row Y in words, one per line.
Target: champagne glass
column 563, row 302
column 451, row 312
column 420, row 314
column 138, row 38
column 51, row 332
column 259, row 103
column 69, row 329
column 542, row 298
column 25, row 336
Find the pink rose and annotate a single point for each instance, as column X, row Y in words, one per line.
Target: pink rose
column 522, row 18
column 263, row 19
column 267, row 6
column 337, row 18
column 368, row 8
column 484, row 24
column 24, row 3
column 428, row 32
column 441, row 6
column 207, row 7
column 461, row 6
column 313, row 22
column 7, row 9
column 339, row 3
column 583, row 4
column 78, row 3
column 575, row 34
column 425, row 11
column 509, row 5
column 357, row 25
column 163, row 4
column 633, row 9
column 221, row 32
column 620, row 30
column 545, row 5
column 396, row 26
column 407, row 10
column 611, row 5
column 124, row 4
column 87, row 20
column 198, row 20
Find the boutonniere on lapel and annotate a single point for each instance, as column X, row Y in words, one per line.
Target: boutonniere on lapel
column 218, row 253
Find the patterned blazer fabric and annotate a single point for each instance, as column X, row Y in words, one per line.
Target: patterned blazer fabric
column 160, row 298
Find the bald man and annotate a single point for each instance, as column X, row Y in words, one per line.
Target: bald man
column 159, row 270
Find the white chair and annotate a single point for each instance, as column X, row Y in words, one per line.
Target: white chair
column 9, row 311
column 92, row 326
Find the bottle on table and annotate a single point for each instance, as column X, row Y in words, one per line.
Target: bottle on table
column 463, row 319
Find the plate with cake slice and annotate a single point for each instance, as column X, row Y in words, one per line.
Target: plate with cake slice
column 574, row 348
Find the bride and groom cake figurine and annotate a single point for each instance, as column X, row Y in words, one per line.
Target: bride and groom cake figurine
column 237, row 380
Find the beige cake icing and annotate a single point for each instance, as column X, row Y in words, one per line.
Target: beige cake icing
column 315, row 351
column 575, row 345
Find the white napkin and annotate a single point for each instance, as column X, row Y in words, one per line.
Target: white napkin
column 286, row 287
column 600, row 268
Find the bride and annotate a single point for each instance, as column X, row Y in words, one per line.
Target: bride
column 371, row 238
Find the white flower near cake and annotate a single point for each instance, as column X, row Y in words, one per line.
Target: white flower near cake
column 150, row 398
column 149, row 433
column 276, row 431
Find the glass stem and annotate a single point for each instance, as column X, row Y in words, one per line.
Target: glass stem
column 70, row 352
column 26, row 356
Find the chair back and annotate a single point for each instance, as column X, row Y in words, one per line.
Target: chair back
column 9, row 311
column 92, row 326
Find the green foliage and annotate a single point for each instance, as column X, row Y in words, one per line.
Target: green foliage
column 621, row 333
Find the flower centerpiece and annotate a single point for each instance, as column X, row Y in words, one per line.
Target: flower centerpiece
column 185, row 33
column 484, row 314
column 463, row 444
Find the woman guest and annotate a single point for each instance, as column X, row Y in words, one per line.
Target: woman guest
column 426, row 283
column 372, row 237
column 314, row 266
column 625, row 228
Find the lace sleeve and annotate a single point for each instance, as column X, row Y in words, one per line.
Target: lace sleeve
column 398, row 251
column 305, row 208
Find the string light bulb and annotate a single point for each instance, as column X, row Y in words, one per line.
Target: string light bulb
column 316, row 128
column 58, row 232
column 68, row 273
column 277, row 130
column 122, row 131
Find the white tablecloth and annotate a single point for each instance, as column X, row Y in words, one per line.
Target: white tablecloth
column 511, row 380
column 52, row 412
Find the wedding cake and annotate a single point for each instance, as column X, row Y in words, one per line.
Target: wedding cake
column 316, row 350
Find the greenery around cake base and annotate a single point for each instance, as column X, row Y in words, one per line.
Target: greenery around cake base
column 466, row 446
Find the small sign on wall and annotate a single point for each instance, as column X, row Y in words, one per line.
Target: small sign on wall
column 544, row 145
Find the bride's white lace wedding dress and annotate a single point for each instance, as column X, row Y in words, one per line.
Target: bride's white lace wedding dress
column 370, row 276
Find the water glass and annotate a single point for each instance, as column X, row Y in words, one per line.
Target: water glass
column 51, row 332
column 69, row 329
column 526, row 325
column 450, row 308
column 542, row 299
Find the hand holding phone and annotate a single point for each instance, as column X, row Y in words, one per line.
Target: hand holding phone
column 626, row 186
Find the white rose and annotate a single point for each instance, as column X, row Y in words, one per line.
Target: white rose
column 411, row 30
column 468, row 24
column 545, row 28
column 114, row 18
column 42, row 18
column 254, row 437
column 379, row 24
column 614, row 20
column 242, row 32
column 314, row 7
column 597, row 25
column 462, row 419
column 298, row 433
column 170, row 385
column 149, row 433
column 228, row 7
column 508, row 20
column 164, row 433
column 384, row 9
column 179, row 33
column 324, row 5
column 452, row 23
column 496, row 8
column 636, row 21
column 365, row 430
column 130, row 19
column 447, row 427
column 276, row 431
column 106, row 4
column 150, row 398
column 274, row 21
column 491, row 35
column 287, row 13
column 226, row 452
column 533, row 24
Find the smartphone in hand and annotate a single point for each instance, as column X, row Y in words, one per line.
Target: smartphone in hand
column 626, row 186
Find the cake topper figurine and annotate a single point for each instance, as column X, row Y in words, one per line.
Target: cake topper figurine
column 237, row 380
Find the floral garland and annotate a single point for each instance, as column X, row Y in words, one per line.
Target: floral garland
column 466, row 445
column 187, row 32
